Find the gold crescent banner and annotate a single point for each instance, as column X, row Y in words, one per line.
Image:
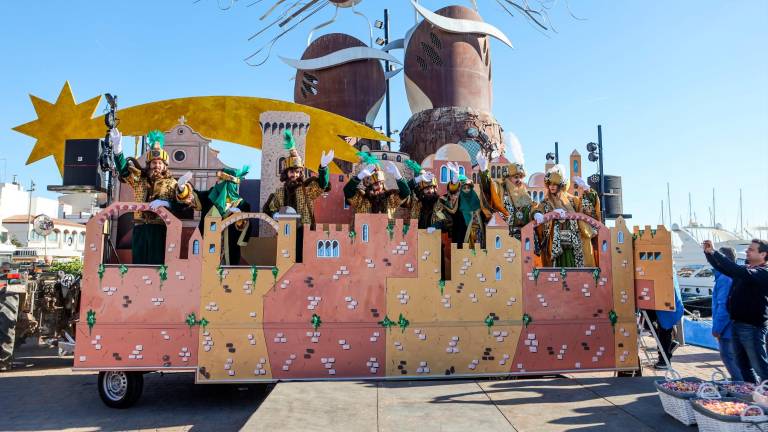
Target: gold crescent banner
column 233, row 119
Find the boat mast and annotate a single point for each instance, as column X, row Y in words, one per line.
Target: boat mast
column 714, row 216
column 741, row 214
column 669, row 206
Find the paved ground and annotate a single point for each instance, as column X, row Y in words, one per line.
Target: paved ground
column 46, row 395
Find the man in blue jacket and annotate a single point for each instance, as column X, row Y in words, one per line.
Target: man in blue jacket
column 747, row 302
column 666, row 321
column 733, row 356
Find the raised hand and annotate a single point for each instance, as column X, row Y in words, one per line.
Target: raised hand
column 326, row 158
column 183, row 180
column 560, row 212
column 538, row 217
column 482, row 161
column 116, row 139
column 454, row 168
column 708, row 247
column 581, row 183
column 392, row 170
column 366, row 172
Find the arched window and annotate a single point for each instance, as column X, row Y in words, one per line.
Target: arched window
column 443, row 174
column 493, row 172
column 498, row 242
column 575, row 166
column 82, row 238
column 399, row 158
column 527, row 244
column 365, row 233
column 498, row 273
column 605, row 246
column 474, row 177
column 213, row 226
column 620, row 237
column 321, row 249
column 335, row 248
column 287, row 230
column 346, row 204
column 383, row 156
column 196, row 247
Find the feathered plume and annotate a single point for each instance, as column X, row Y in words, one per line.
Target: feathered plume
column 288, row 141
column 156, row 136
column 514, row 149
column 414, row 166
column 368, row 159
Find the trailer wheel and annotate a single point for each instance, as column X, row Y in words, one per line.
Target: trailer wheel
column 120, row 389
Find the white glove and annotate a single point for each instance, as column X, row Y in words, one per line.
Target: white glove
column 391, row 169
column 325, row 159
column 581, row 183
column 366, row 172
column 154, row 205
column 482, row 161
column 560, row 212
column 183, row 180
column 116, row 139
column 538, row 217
column 454, row 168
column 426, row 176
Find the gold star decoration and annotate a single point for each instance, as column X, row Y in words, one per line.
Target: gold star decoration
column 233, row 119
column 58, row 122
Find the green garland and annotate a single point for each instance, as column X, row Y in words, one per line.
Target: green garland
column 387, row 323
column 163, row 272
column 316, row 321
column 527, row 319
column 90, row 319
column 489, row 321
column 403, row 323
column 254, row 275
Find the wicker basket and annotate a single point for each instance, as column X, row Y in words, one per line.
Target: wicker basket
column 725, row 386
column 677, row 404
column 760, row 395
column 709, row 421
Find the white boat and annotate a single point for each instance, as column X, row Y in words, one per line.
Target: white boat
column 694, row 274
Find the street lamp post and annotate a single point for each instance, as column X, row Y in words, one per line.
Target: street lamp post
column 596, row 155
column 29, row 211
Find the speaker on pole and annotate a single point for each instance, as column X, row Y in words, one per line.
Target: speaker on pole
column 612, row 198
column 81, row 163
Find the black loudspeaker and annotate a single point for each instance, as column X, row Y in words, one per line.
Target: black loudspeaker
column 81, row 163
column 612, row 199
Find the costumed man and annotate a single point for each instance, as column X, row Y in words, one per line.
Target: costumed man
column 470, row 214
column 590, row 206
column 564, row 243
column 509, row 196
column 225, row 196
column 424, row 202
column 155, row 185
column 374, row 196
column 297, row 192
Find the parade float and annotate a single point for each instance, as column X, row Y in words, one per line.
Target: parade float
column 372, row 299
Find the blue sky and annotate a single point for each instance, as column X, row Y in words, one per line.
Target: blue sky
column 681, row 88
